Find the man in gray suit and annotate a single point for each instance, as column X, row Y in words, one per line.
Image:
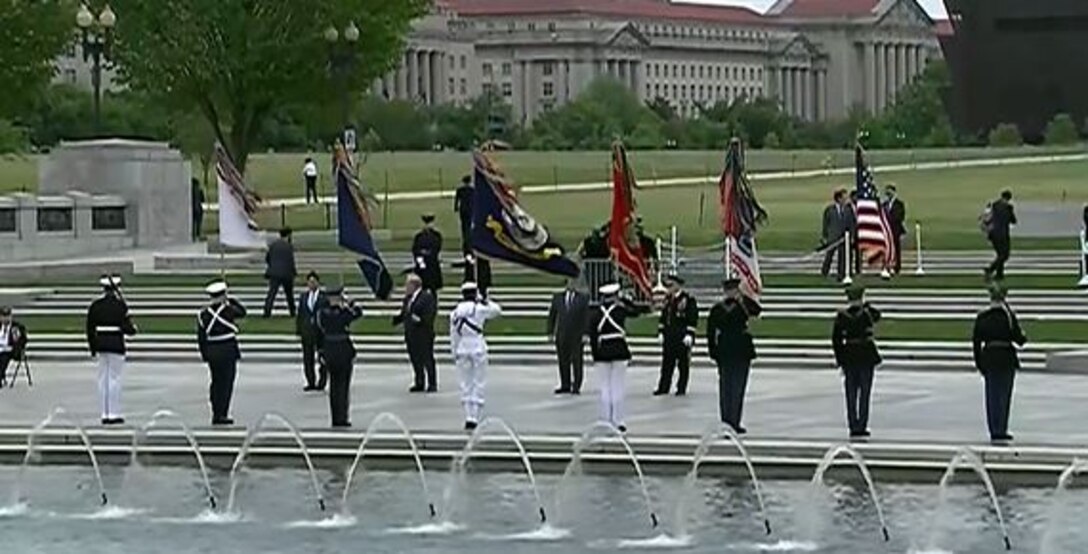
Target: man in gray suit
column 567, row 320
column 280, row 272
column 837, row 218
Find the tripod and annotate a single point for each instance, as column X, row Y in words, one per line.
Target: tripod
column 22, row 362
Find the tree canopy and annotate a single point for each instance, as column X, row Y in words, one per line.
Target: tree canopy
column 34, row 33
column 237, row 62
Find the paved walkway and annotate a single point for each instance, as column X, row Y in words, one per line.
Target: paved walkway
column 687, row 181
column 1048, row 409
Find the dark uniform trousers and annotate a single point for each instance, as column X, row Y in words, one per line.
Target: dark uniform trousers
column 858, row 382
column 997, row 331
column 732, row 384
column 421, row 354
column 674, row 356
column 857, row 354
column 223, row 365
column 341, row 366
column 679, row 320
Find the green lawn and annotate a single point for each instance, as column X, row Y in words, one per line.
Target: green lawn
column 1038, row 331
column 945, row 202
column 279, row 175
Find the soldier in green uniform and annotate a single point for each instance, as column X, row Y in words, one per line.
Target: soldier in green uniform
column 856, row 353
column 731, row 347
column 996, row 335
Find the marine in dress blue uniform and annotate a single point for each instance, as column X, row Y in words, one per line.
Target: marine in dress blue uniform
column 995, row 339
column 108, row 324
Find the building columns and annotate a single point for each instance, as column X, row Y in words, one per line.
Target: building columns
column 413, row 76
column 902, row 78
column 869, row 55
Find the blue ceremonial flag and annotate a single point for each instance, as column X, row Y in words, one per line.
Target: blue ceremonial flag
column 354, row 225
column 502, row 230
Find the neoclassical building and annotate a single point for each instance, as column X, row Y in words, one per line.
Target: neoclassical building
column 819, row 58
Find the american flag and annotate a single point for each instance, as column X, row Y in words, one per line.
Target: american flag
column 874, row 231
column 741, row 215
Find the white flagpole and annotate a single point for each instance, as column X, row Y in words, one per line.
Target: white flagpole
column 1083, row 259
column 673, row 260
column 728, row 257
column 919, row 270
column 848, row 279
column 659, row 264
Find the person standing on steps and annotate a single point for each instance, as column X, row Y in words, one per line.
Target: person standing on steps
column 568, row 316
column 676, row 330
column 334, row 321
column 310, row 302
column 462, row 205
column 1001, row 217
column 197, row 208
column 854, row 343
column 280, row 271
column 469, row 349
column 836, row 222
column 426, row 255
column 897, row 219
column 611, row 354
column 108, row 323
column 995, row 339
column 732, row 349
column 217, row 337
column 417, row 314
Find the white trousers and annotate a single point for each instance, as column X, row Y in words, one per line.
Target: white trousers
column 472, row 369
column 109, row 384
column 612, row 381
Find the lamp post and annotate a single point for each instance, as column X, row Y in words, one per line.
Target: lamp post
column 97, row 38
column 342, row 61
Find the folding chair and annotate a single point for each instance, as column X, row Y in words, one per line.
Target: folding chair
column 24, row 363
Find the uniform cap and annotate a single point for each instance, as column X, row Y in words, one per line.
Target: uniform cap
column 427, row 217
column 468, row 285
column 730, row 284
column 216, row 288
column 855, row 292
column 335, row 291
column 998, row 291
column 110, row 281
column 611, row 288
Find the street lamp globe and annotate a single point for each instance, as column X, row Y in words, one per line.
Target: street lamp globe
column 107, row 19
column 331, row 34
column 351, row 32
column 84, row 17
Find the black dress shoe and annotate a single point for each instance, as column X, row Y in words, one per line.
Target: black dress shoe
column 660, row 392
column 415, row 388
column 310, row 388
column 470, row 426
column 576, row 392
column 622, row 428
column 681, row 393
column 740, row 430
column 562, row 390
column 224, row 421
column 341, row 424
column 114, row 421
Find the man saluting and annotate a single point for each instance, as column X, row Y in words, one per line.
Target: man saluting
column 217, row 335
column 470, row 348
column 108, row 323
column 334, row 321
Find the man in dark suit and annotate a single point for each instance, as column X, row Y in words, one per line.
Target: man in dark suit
column 1002, row 218
column 426, row 253
column 198, row 208
column 897, row 218
column 12, row 343
column 280, row 272
column 568, row 316
column 836, row 223
column 310, row 303
column 417, row 315
column 462, row 205
column 995, row 339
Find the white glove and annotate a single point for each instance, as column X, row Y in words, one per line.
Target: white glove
column 421, row 263
column 661, row 339
column 688, row 341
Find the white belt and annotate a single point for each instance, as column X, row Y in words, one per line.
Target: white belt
column 107, row 329
column 612, row 336
column 221, row 338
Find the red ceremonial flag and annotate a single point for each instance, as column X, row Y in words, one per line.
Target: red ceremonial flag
column 622, row 238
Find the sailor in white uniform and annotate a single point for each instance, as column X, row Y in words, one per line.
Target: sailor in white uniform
column 469, row 348
column 608, row 342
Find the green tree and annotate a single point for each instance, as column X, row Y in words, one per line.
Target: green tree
column 1062, row 130
column 238, row 61
column 34, row 33
column 772, row 141
column 604, row 111
column 663, row 108
column 1005, row 134
column 918, row 108
column 400, row 124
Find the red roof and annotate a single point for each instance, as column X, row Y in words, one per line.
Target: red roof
column 829, row 8
column 647, row 9
column 943, row 28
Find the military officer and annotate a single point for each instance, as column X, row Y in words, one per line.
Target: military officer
column 426, row 249
column 676, row 331
column 611, row 354
column 469, row 348
column 108, row 323
column 854, row 345
column 997, row 334
column 334, row 322
column 217, row 336
column 731, row 347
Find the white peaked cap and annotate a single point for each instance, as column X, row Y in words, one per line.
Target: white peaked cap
column 216, row 288
column 611, row 288
column 110, row 280
column 469, row 285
